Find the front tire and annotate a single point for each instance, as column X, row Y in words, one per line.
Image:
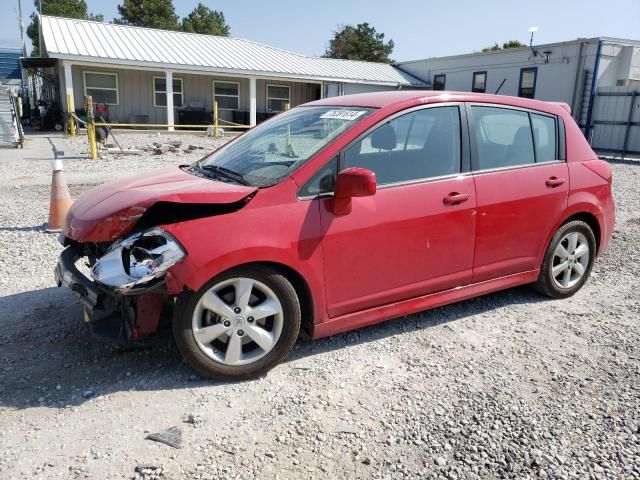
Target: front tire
column 239, row 325
column 568, row 260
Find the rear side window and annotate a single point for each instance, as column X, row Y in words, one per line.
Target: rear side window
column 418, row 145
column 544, row 136
column 503, row 137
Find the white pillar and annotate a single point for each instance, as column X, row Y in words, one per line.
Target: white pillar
column 253, row 103
column 168, row 76
column 68, row 83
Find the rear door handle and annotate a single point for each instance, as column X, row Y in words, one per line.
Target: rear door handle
column 455, row 198
column 554, row 182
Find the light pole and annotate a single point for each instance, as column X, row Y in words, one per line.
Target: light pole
column 39, row 27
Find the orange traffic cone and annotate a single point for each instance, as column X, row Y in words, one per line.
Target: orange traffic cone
column 60, row 199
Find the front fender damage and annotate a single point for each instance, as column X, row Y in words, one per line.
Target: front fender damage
column 126, row 314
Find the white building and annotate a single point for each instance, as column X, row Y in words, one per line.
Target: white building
column 568, row 72
column 145, row 75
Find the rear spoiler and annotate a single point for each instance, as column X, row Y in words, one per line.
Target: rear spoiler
column 563, row 105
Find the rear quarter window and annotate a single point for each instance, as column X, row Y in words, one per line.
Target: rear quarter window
column 544, row 136
column 507, row 137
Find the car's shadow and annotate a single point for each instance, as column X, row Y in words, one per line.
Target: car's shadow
column 49, row 358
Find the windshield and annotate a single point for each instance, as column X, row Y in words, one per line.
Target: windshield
column 266, row 154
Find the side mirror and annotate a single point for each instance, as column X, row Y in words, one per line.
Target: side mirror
column 351, row 182
column 355, row 182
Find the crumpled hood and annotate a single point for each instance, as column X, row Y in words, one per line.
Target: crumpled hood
column 111, row 210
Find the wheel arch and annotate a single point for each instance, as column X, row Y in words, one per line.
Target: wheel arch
column 591, row 220
column 302, row 290
column 300, row 285
column 586, row 213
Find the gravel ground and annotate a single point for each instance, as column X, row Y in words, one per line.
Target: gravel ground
column 30, row 166
column 509, row 385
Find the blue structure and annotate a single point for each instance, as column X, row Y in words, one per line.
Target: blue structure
column 10, row 64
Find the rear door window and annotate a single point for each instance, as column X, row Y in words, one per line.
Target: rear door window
column 503, row 137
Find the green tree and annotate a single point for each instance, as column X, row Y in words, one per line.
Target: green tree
column 57, row 8
column 204, row 20
column 510, row 44
column 493, row 48
column 361, row 42
column 513, row 44
column 148, row 13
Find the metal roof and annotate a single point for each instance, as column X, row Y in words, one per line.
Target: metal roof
column 84, row 40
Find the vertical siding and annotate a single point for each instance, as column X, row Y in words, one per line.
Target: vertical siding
column 299, row 93
column 135, row 92
column 616, row 109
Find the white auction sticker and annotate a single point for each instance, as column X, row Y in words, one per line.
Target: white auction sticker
column 343, row 114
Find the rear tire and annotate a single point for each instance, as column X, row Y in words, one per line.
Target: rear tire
column 568, row 260
column 239, row 325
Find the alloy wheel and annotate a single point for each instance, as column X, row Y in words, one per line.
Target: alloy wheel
column 570, row 260
column 237, row 321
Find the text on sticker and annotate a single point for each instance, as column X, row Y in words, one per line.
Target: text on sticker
column 343, row 114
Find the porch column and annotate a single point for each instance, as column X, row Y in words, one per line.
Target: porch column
column 168, row 76
column 253, row 103
column 68, row 83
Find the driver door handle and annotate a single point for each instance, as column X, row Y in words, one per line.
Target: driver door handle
column 455, row 198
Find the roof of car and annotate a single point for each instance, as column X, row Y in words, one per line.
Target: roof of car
column 390, row 98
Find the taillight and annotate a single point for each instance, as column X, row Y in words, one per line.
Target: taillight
column 601, row 168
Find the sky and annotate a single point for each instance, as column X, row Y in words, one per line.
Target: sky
column 419, row 28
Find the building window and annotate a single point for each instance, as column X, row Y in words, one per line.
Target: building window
column 160, row 92
column 527, row 88
column 439, row 82
column 227, row 94
column 103, row 87
column 479, row 82
column 277, row 98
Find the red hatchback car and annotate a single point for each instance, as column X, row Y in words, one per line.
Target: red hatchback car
column 338, row 214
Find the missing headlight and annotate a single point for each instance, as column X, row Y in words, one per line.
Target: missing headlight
column 137, row 260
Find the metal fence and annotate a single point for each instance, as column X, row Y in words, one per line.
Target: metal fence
column 616, row 121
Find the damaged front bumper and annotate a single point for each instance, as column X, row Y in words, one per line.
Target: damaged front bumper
column 68, row 275
column 110, row 312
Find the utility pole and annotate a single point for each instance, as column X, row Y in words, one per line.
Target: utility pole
column 39, row 27
column 22, row 46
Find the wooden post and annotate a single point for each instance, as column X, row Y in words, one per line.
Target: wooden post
column 215, row 119
column 72, row 121
column 91, row 127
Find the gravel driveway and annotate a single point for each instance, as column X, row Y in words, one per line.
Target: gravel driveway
column 509, row 385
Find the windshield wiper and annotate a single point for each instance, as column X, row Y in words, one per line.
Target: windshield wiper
column 226, row 172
